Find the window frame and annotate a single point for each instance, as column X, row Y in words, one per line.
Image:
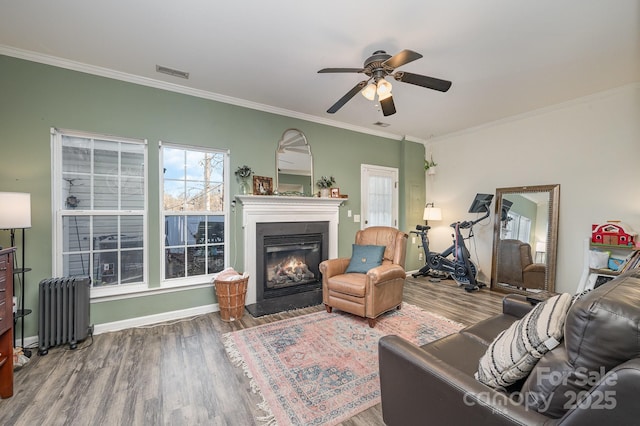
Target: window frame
column 224, row 213
column 59, row 212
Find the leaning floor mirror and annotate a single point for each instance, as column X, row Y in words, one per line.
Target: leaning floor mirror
column 525, row 239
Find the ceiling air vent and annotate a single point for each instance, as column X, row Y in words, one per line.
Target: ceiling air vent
column 172, row 72
column 381, row 124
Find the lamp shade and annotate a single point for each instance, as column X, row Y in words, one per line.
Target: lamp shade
column 384, row 88
column 432, row 213
column 15, row 210
column 369, row 91
column 541, row 247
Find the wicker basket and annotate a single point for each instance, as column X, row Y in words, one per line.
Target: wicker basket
column 231, row 295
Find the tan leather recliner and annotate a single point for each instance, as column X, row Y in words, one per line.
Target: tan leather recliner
column 516, row 267
column 376, row 292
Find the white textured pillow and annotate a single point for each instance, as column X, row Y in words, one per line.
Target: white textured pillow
column 516, row 350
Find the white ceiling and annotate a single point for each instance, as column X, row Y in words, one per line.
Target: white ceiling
column 504, row 57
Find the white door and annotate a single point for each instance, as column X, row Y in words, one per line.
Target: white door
column 379, row 189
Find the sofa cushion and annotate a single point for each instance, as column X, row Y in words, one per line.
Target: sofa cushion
column 487, row 330
column 514, row 353
column 365, row 257
column 602, row 331
column 457, row 350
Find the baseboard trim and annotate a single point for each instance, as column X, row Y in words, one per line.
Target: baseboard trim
column 154, row 319
column 147, row 320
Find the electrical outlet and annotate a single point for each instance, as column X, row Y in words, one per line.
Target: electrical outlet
column 413, row 240
column 356, row 218
column 419, row 256
column 348, row 213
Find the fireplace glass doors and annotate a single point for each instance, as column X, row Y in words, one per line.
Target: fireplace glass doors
column 291, row 261
column 288, row 256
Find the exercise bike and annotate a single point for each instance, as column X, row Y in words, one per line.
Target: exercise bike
column 461, row 268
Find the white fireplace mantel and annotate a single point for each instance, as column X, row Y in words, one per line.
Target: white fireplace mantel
column 265, row 208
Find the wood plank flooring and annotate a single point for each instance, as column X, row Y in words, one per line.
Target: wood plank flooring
column 179, row 373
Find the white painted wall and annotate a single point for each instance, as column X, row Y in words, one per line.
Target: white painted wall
column 590, row 146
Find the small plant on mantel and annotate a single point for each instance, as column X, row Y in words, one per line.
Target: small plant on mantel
column 243, row 173
column 325, row 182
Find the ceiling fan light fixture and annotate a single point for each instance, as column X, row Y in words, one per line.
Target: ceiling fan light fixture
column 376, row 68
column 384, row 96
column 384, row 89
column 369, row 91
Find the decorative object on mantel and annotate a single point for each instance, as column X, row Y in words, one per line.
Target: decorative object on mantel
column 262, row 185
column 325, row 183
column 243, row 174
column 430, row 166
column 330, row 359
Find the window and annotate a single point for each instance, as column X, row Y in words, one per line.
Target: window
column 194, row 216
column 379, row 189
column 516, row 227
column 100, row 203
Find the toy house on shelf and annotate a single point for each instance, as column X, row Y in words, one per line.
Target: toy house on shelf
column 612, row 233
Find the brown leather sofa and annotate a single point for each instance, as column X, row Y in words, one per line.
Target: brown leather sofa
column 376, row 292
column 516, row 267
column 591, row 378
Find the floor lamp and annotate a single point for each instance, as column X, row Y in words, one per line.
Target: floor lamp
column 15, row 213
column 431, row 212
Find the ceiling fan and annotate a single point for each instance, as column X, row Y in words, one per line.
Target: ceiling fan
column 377, row 67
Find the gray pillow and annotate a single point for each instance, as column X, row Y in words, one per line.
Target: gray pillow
column 516, row 350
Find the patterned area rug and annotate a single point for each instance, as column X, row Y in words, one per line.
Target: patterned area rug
column 321, row 368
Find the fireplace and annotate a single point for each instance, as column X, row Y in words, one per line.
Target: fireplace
column 288, row 255
column 262, row 209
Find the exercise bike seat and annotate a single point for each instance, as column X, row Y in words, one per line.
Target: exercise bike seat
column 423, row 227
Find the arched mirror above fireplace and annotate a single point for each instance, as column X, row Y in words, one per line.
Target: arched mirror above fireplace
column 294, row 164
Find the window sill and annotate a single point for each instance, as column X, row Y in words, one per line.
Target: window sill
column 141, row 290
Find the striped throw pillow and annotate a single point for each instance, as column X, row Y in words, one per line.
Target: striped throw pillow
column 516, row 350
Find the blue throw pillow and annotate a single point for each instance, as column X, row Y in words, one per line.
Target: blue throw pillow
column 364, row 258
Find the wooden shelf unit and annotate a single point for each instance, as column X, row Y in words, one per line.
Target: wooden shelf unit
column 593, row 277
column 6, row 322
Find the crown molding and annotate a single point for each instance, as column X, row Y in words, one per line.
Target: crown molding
column 176, row 88
column 540, row 111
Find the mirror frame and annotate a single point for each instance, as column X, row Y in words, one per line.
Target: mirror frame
column 306, row 141
column 552, row 235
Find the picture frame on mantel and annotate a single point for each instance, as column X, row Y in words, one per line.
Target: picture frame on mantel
column 335, row 192
column 262, row 185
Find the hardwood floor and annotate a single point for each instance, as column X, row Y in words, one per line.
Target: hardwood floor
column 179, row 373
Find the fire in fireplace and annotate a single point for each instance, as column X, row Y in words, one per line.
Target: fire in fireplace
column 288, row 255
column 291, row 263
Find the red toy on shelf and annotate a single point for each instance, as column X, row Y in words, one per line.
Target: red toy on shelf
column 612, row 233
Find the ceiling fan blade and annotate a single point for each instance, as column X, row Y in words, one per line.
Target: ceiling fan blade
column 327, row 70
column 388, row 107
column 402, row 58
column 423, row 80
column 350, row 94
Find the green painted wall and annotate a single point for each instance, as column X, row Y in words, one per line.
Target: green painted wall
column 35, row 97
column 412, row 198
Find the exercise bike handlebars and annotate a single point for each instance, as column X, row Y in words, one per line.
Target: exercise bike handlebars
column 468, row 224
